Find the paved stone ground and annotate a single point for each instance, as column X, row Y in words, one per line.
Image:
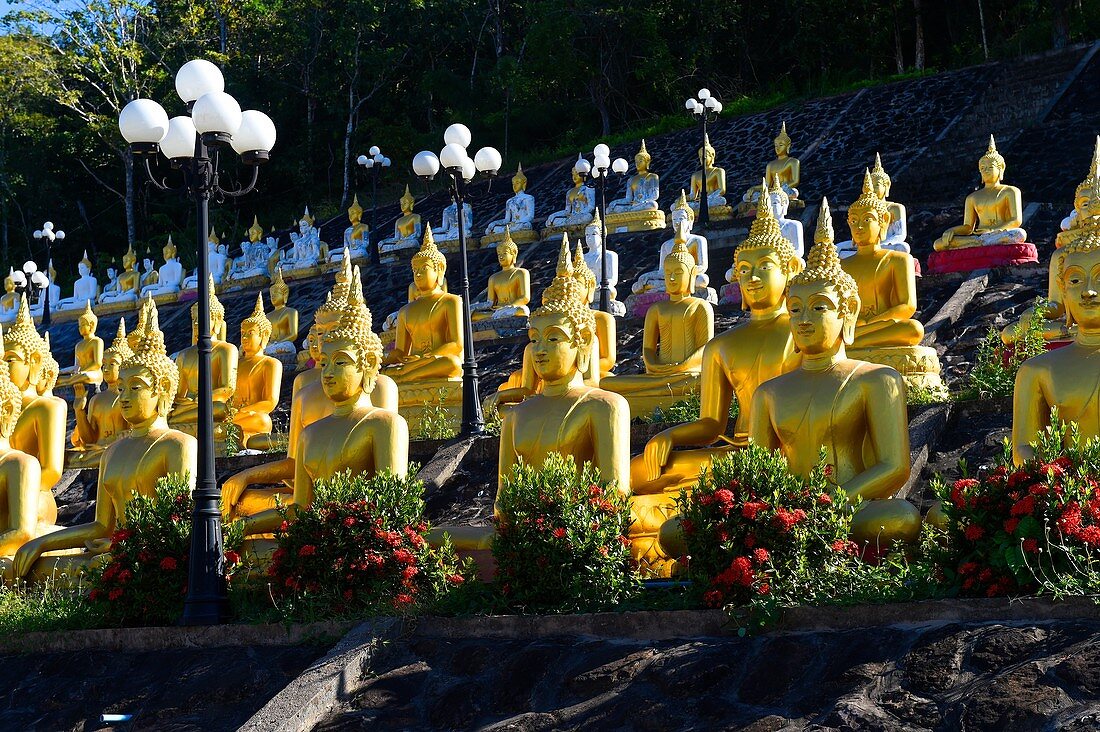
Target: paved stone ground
column 952, row 677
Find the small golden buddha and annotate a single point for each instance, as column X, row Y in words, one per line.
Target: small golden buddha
column 428, row 342
column 407, row 228
column 567, row 417
column 134, row 462
column 716, row 182
column 87, row 368
column 26, row 510
column 854, row 409
column 357, row 435
column 1066, row 377
column 284, row 319
column 99, row 419
column 223, row 369
column 509, row 290
column 787, row 168
column 993, row 214
column 675, row 333
column 259, row 380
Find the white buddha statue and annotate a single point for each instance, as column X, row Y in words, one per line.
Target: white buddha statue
column 85, row 288
column 642, row 189
column 305, row 249
column 519, row 211
column 580, row 202
column 683, row 219
column 593, row 240
column 897, row 232
column 169, row 276
column 449, row 230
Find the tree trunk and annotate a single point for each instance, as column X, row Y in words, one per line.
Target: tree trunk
column 131, row 219
column 918, row 43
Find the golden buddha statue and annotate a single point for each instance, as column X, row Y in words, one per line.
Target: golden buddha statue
column 854, row 409
column 717, row 206
column 1066, row 377
column 407, row 228
column 734, row 364
column 675, row 333
column 787, row 168
column 357, row 436
column 87, row 365
column 509, row 290
column 284, row 319
column 259, row 380
column 639, row 209
column 40, row 430
column 133, row 463
column 568, row 416
column 223, row 370
column 992, row 214
column 99, row 419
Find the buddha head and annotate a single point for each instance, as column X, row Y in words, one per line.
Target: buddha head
column 428, row 265
column 765, row 262
column 11, row 400
column 113, row 356
column 706, row 153
column 680, row 270
column 562, row 329
column 992, row 164
column 1079, row 278
column 148, row 379
column 24, row 349
column 1086, row 199
column 868, row 216
column 683, row 218
column 87, row 322
column 593, row 233
column 407, row 201
column 169, row 250
column 84, row 267
column 782, row 142
column 129, row 260
column 585, row 276
column 778, row 200
column 880, row 180
column 519, row 180
column 280, row 290
column 355, row 212
column 255, row 330
column 507, row 251
column 217, row 317
column 350, row 353
column 823, row 301
column 642, row 159
column 306, row 222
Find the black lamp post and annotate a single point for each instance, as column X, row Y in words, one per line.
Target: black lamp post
column 460, row 170
column 193, row 144
column 706, row 109
column 374, row 164
column 31, row 280
column 598, row 170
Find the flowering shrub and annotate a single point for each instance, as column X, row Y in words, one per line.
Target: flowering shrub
column 1015, row 530
column 360, row 547
column 144, row 580
column 561, row 543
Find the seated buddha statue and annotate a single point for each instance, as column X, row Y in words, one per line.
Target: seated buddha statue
column 593, row 238
column 283, row 318
column 9, row 302
column 305, row 246
column 357, row 435
column 897, row 231
column 716, row 183
column 448, row 230
column 675, row 332
column 169, row 276
column 638, row 209
column 519, row 214
column 788, row 168
column 223, row 370
column 509, row 290
column 992, row 214
column 428, row 335
column 148, row 451
column 85, row 288
column 568, row 416
column 407, row 228
column 1065, row 378
column 683, row 219
column 853, row 409
column 128, row 286
column 356, row 235
column 99, row 419
column 259, row 380
column 580, row 202
column 87, row 365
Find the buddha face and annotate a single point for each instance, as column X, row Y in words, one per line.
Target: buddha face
column 22, row 366
column 426, row 276
column 505, row 257
column 111, row 364
column 344, row 369
column 1081, row 288
column 555, row 352
column 818, row 324
column 991, row 170
column 868, row 228
column 761, row 278
column 252, row 340
column 140, row 397
column 678, row 276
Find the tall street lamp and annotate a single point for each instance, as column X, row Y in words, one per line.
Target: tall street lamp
column 460, row 170
column 193, row 144
column 706, row 109
column 597, row 170
column 38, row 279
column 374, row 164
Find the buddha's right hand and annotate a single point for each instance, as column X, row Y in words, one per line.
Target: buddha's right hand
column 656, row 455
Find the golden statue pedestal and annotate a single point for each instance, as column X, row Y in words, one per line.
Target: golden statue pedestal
column 626, row 221
column 918, row 365
column 523, row 236
column 419, row 399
